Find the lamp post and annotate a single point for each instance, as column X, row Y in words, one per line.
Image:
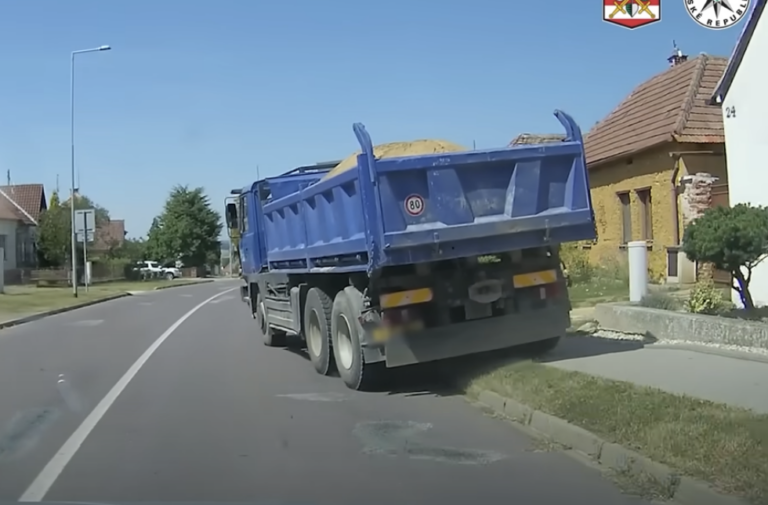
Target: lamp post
column 73, row 237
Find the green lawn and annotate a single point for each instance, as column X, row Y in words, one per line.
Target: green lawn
column 725, row 446
column 598, row 290
column 26, row 300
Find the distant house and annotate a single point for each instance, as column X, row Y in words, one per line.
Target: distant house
column 109, row 235
column 20, row 209
column 744, row 103
column 642, row 155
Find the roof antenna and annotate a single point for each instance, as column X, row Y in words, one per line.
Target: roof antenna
column 57, row 183
column 8, row 176
column 677, row 56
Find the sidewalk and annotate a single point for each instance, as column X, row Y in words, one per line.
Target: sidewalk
column 722, row 379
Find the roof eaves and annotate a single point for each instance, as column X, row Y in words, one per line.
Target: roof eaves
column 721, row 90
column 21, row 209
column 628, row 154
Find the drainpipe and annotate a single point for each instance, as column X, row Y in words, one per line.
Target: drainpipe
column 675, row 210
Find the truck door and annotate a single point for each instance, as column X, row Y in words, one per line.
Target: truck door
column 247, row 241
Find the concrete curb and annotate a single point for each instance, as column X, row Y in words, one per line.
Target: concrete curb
column 679, row 326
column 683, row 490
column 183, row 284
column 41, row 315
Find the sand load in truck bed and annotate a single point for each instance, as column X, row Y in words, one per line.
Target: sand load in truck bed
column 399, row 149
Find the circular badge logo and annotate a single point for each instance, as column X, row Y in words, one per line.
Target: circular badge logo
column 717, row 14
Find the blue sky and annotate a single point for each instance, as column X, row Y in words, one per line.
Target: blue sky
column 202, row 92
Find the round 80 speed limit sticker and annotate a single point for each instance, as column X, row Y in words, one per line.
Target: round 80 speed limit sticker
column 414, row 205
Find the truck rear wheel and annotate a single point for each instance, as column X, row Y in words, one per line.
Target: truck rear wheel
column 346, row 333
column 317, row 330
column 271, row 337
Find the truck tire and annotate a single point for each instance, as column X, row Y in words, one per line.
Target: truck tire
column 346, row 331
column 270, row 337
column 317, row 330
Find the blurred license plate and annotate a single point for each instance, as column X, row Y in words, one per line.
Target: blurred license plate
column 384, row 333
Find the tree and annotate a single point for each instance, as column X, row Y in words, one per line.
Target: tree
column 53, row 239
column 55, row 228
column 188, row 229
column 734, row 239
column 131, row 249
column 154, row 247
column 82, row 202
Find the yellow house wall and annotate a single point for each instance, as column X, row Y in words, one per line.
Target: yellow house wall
column 650, row 169
column 715, row 165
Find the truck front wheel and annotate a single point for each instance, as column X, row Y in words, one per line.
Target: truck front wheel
column 345, row 332
column 317, row 330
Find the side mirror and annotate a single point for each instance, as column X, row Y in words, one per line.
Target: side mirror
column 231, row 215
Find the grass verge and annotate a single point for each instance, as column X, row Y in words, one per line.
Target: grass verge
column 19, row 301
column 598, row 290
column 725, row 446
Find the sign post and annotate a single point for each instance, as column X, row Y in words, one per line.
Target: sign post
column 85, row 228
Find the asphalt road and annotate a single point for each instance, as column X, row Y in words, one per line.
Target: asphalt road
column 213, row 415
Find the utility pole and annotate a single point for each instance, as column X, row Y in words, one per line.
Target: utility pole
column 73, row 189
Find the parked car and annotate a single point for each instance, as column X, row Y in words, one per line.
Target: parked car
column 156, row 269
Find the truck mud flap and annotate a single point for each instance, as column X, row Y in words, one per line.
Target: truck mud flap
column 477, row 336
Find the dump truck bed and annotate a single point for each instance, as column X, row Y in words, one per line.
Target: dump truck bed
column 415, row 209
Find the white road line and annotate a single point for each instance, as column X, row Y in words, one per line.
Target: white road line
column 47, row 477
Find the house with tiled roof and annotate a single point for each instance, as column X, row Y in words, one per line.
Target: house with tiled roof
column 20, row 209
column 641, row 156
column 744, row 108
column 110, row 233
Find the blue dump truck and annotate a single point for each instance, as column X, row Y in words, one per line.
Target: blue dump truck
column 407, row 260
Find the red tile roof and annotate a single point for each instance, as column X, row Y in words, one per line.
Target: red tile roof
column 8, row 211
column 111, row 234
column 672, row 106
column 26, row 201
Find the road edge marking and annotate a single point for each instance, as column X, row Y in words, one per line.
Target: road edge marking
column 50, row 473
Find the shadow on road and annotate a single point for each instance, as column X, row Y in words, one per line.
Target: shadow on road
column 451, row 377
column 582, row 345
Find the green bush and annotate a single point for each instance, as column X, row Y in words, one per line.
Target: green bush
column 614, row 267
column 576, row 261
column 108, row 269
column 661, row 301
column 734, row 239
column 705, row 298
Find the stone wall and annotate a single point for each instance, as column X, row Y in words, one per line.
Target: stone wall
column 696, row 199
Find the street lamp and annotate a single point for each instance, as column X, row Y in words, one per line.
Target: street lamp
column 73, row 237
